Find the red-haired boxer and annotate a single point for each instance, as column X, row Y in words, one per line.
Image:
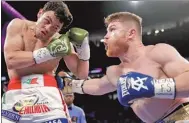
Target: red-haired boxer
column 153, row 80
column 32, row 53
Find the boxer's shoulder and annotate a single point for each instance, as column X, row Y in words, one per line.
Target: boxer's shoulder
column 161, row 47
column 17, row 21
column 162, row 51
column 16, row 24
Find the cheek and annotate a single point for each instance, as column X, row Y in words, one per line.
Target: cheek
column 40, row 23
column 118, row 46
column 114, row 35
column 117, row 35
column 38, row 27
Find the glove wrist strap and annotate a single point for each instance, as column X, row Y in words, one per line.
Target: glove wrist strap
column 42, row 55
column 83, row 50
column 164, row 88
column 77, row 86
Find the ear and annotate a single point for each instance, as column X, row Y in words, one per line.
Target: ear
column 132, row 33
column 39, row 13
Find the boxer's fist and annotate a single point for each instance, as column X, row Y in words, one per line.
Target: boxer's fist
column 69, row 85
column 57, row 48
column 133, row 86
column 79, row 37
column 63, row 80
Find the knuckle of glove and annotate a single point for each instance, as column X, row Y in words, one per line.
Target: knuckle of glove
column 77, row 35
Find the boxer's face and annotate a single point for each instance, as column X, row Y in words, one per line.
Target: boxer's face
column 116, row 39
column 69, row 99
column 47, row 25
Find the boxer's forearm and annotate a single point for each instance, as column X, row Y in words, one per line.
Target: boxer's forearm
column 78, row 67
column 19, row 59
column 82, row 69
column 182, row 85
column 97, row 87
column 92, row 87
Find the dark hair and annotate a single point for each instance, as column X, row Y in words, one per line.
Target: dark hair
column 61, row 10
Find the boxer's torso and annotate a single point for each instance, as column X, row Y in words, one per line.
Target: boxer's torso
column 31, row 43
column 148, row 109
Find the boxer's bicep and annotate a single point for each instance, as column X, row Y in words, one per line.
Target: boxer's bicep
column 175, row 67
column 171, row 61
column 13, row 40
column 15, row 56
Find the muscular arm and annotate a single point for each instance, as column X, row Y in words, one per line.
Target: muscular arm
column 14, row 56
column 174, row 66
column 78, row 67
column 99, row 86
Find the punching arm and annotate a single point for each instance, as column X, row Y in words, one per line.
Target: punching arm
column 99, row 86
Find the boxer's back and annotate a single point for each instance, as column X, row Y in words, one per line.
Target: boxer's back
column 148, row 109
column 30, row 43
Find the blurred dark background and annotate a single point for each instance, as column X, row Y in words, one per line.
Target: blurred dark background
column 163, row 22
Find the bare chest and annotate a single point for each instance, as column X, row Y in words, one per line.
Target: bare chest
column 149, row 67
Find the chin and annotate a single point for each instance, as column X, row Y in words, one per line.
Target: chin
column 111, row 54
column 40, row 37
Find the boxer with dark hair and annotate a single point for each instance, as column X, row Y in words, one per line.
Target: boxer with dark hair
column 32, row 53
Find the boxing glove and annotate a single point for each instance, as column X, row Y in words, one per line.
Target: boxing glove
column 57, row 48
column 67, row 84
column 133, row 86
column 79, row 38
column 61, row 79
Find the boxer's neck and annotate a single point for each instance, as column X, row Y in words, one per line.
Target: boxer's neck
column 33, row 29
column 135, row 50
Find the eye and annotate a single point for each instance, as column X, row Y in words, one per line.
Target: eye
column 112, row 29
column 47, row 21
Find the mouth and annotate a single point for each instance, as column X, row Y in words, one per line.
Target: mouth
column 106, row 46
column 43, row 32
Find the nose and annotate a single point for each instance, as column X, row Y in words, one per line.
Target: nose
column 106, row 36
column 47, row 28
